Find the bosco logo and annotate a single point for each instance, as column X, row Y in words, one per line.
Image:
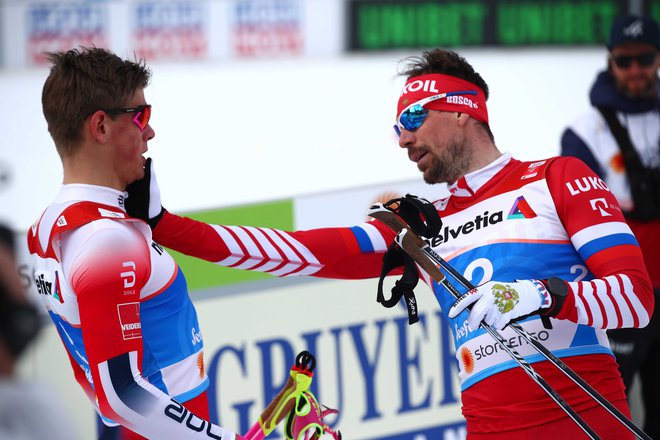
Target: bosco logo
column 462, row 100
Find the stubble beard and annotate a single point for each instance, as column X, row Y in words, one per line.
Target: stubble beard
column 450, row 164
column 649, row 90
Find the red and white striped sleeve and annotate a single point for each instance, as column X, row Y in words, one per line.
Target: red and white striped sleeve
column 621, row 294
column 346, row 253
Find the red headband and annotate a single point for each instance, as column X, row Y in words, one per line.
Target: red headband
column 462, row 96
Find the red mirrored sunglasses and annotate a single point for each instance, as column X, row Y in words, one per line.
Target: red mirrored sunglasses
column 142, row 114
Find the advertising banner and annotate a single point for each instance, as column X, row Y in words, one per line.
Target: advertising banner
column 267, row 27
column 61, row 26
column 169, row 30
column 395, row 24
column 387, row 378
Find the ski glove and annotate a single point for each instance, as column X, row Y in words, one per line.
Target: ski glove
column 497, row 303
column 143, row 200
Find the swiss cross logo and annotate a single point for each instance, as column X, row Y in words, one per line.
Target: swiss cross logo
column 129, row 320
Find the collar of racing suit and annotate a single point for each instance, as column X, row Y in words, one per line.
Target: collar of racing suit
column 91, row 193
column 469, row 184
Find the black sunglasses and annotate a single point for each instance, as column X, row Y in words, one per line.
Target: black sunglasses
column 141, row 118
column 142, row 114
column 645, row 59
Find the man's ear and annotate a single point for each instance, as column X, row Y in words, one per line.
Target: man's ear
column 98, row 126
column 462, row 118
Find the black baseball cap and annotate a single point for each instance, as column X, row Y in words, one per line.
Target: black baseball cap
column 634, row 29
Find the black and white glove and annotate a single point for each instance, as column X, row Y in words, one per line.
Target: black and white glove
column 143, row 200
column 497, row 303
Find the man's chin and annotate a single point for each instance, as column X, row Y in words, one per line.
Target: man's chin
column 637, row 91
column 430, row 178
column 138, row 176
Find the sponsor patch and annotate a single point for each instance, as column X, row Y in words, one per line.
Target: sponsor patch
column 521, row 209
column 129, row 320
column 601, row 206
column 480, row 221
column 586, row 184
column 467, row 359
column 200, row 364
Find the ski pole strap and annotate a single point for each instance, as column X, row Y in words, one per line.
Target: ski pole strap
column 305, row 420
column 420, row 214
column 422, row 217
column 403, row 288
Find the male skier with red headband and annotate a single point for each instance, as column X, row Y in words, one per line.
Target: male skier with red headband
column 509, row 226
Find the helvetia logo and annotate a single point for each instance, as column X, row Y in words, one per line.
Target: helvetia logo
column 480, row 221
column 47, row 287
column 521, row 209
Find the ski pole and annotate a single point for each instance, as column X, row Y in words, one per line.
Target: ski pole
column 299, row 380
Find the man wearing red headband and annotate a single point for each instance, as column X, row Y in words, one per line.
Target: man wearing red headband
column 512, row 226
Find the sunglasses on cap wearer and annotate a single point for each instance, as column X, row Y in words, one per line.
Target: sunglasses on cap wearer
column 142, row 114
column 413, row 116
column 645, row 59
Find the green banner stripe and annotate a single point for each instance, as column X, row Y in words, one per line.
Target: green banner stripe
column 201, row 274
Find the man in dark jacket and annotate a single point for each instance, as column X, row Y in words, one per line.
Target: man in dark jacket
column 619, row 138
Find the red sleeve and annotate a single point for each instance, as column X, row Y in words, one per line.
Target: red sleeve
column 107, row 278
column 107, row 281
column 621, row 293
column 348, row 253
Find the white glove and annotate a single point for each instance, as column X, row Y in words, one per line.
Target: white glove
column 496, row 303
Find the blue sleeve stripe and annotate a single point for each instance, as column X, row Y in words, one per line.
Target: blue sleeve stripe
column 129, row 392
column 363, row 240
column 599, row 244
